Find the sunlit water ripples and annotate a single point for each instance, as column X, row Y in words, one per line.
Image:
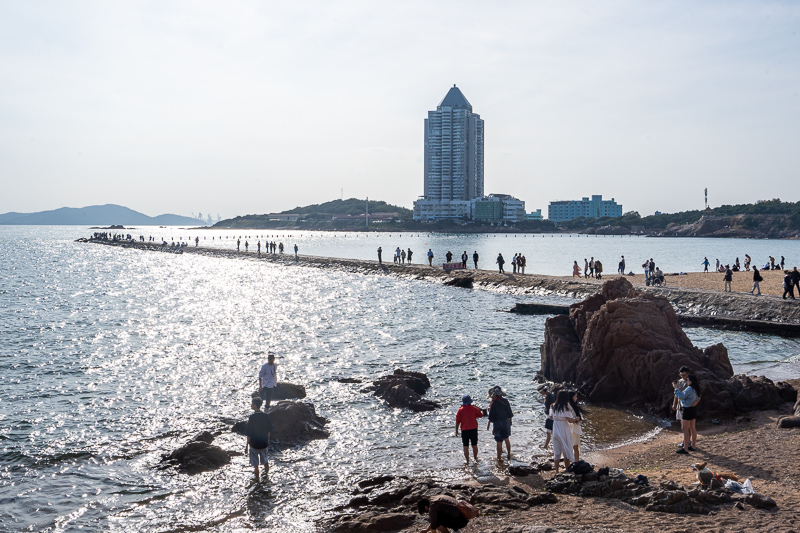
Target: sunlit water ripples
column 111, row 358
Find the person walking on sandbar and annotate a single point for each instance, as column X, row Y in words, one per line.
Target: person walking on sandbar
column 475, row 258
column 430, row 257
column 728, row 278
column 380, row 251
column 500, row 262
column 705, row 264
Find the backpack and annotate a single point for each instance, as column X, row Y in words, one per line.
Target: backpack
column 467, row 509
column 580, row 467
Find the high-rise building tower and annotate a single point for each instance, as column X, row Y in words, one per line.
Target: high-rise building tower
column 453, row 159
column 453, row 150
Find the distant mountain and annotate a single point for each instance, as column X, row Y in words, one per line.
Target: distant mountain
column 95, row 215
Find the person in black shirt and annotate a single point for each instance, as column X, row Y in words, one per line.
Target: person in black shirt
column 788, row 284
column 549, row 398
column 443, row 513
column 500, row 416
column 259, row 427
column 475, row 258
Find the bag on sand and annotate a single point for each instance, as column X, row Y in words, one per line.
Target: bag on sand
column 580, row 467
column 467, row 509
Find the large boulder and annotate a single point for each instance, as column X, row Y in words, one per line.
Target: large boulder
column 293, row 423
column 198, row 455
column 624, row 347
column 286, row 391
column 404, row 389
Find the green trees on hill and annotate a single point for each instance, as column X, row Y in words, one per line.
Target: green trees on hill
column 351, row 206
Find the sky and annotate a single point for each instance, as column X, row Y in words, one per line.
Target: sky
column 242, row 107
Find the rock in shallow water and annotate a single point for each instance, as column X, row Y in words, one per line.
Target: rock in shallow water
column 293, row 423
column 198, row 455
column 404, row 389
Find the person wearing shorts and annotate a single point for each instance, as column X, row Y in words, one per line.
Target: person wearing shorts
column 267, row 380
column 467, row 417
column 259, row 427
column 500, row 416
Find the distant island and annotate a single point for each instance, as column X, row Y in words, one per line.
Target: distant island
column 95, row 215
column 764, row 219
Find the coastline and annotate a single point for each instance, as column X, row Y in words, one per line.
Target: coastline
column 709, row 307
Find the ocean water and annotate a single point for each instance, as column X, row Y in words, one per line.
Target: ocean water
column 110, row 358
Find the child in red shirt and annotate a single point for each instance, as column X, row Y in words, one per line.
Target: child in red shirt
column 467, row 417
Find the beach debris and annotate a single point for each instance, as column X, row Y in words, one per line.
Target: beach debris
column 403, row 389
column 198, row 455
column 624, row 347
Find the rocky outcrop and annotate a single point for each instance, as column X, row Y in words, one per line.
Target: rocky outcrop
column 293, row 423
column 393, row 506
column 667, row 497
column 286, row 391
column 736, row 226
column 198, row 455
column 404, row 389
column 624, row 346
column 791, row 421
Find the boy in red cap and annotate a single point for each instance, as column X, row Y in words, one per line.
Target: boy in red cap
column 467, row 417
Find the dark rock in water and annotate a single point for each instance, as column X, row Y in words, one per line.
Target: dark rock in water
column 624, row 347
column 198, row 456
column 522, row 470
column 791, row 421
column 349, row 380
column 293, row 423
column 380, row 480
column 375, row 521
column 203, row 436
column 297, row 422
column 404, row 389
column 465, row 282
column 286, row 391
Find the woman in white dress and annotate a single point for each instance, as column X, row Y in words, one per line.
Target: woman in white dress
column 563, row 416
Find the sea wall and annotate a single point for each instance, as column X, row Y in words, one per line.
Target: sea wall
column 707, row 308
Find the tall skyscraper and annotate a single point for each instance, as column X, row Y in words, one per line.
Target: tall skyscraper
column 453, row 159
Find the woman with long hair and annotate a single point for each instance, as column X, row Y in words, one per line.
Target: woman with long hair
column 563, row 416
column 688, row 398
column 576, row 427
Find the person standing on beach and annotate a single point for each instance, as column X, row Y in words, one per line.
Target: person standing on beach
column 687, row 397
column 747, row 261
column 524, row 262
column 475, row 259
column 408, row 256
column 467, row 417
column 728, row 278
column 500, row 262
column 259, row 247
column 783, row 262
column 267, row 380
column 591, row 267
column 397, row 255
column 196, row 241
column 717, row 268
column 681, row 383
column 500, row 416
column 585, row 268
column 575, row 427
column 259, row 427
column 788, row 284
column 403, row 256
column 380, row 251
column 430, row 257
column 705, row 264
column 246, row 246
column 598, row 269
column 622, row 266
column 464, row 259
column 238, row 243
column 448, row 256
column 514, row 264
column 576, row 270
column 295, row 251
column 756, row 280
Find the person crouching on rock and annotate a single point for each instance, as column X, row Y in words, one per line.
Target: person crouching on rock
column 443, row 513
column 259, row 427
column 467, row 417
column 563, row 416
column 688, row 397
column 500, row 415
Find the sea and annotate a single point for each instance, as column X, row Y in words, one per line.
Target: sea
column 111, row 358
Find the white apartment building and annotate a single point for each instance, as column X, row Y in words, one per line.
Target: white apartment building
column 596, row 207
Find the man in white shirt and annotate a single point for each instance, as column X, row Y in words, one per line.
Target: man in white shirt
column 267, row 380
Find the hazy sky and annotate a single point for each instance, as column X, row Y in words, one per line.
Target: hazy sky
column 251, row 107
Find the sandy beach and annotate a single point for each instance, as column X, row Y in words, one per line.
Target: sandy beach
column 751, row 447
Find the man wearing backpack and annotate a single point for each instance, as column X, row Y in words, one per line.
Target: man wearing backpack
column 445, row 513
column 756, row 280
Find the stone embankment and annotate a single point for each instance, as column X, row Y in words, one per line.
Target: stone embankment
column 707, row 308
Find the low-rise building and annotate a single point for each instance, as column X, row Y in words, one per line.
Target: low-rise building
column 285, row 217
column 430, row 210
column 596, row 207
column 534, row 215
